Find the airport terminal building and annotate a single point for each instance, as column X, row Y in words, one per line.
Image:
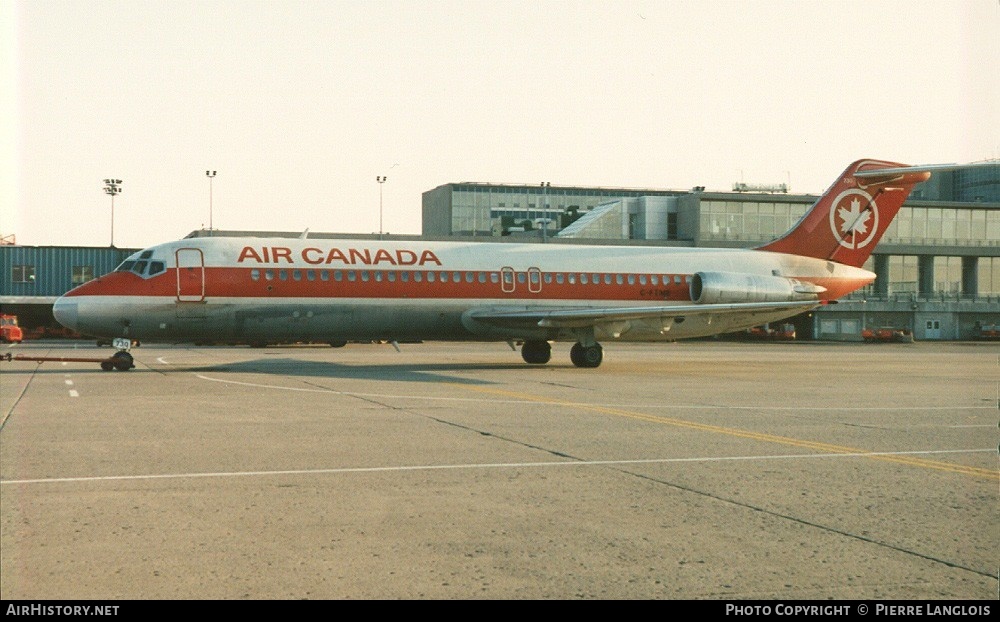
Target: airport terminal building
column 938, row 263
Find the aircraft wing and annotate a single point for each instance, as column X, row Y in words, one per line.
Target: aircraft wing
column 556, row 317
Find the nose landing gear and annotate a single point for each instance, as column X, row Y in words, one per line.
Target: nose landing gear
column 120, row 360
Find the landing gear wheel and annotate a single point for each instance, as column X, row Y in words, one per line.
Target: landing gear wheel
column 586, row 356
column 536, row 352
column 107, row 365
column 122, row 361
column 338, row 344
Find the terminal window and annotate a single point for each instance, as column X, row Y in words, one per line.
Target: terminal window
column 22, row 274
column 82, row 274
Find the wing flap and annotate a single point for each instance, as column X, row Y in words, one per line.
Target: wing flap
column 561, row 317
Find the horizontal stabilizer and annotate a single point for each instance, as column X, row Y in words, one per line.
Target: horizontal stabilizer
column 927, row 168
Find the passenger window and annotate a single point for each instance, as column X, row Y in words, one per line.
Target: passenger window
column 324, row 275
column 283, row 275
column 297, row 275
column 364, row 276
column 607, row 279
column 482, row 277
column 444, row 277
column 520, row 277
column 583, row 279
column 378, row 276
column 653, row 280
column 338, row 275
column 404, row 277
column 631, row 279
column 494, row 277
column 642, row 279
column 352, row 276
column 418, row 277
column 255, row 274
column 547, row 278
column 572, row 279
column 269, row 275
column 560, row 278
column 468, row 277
column 619, row 279
column 392, row 277
column 430, row 277
column 677, row 279
column 311, row 275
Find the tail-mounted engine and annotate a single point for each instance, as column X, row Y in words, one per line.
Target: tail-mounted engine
column 734, row 287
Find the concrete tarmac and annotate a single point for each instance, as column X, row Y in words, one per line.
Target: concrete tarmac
column 695, row 470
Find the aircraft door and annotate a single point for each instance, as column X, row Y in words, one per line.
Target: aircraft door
column 190, row 275
column 507, row 282
column 534, row 280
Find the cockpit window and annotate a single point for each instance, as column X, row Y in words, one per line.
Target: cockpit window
column 143, row 267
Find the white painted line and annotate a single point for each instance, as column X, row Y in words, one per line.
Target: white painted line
column 73, row 393
column 496, row 465
column 69, row 382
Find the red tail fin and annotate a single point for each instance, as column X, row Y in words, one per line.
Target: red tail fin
column 847, row 222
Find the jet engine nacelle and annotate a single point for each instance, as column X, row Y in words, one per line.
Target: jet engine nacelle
column 733, row 287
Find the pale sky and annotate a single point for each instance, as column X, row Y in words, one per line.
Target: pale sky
column 299, row 106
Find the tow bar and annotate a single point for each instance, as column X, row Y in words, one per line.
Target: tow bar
column 120, row 360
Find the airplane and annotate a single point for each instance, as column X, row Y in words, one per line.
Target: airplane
column 264, row 290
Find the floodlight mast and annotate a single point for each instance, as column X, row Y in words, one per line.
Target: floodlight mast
column 112, row 187
column 211, row 176
column 381, row 179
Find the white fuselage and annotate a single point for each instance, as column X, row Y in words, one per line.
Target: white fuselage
column 263, row 290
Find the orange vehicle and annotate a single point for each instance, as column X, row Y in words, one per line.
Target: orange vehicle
column 886, row 335
column 10, row 332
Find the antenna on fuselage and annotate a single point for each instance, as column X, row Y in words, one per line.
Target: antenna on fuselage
column 305, row 234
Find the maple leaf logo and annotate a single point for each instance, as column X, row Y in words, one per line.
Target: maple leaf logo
column 854, row 220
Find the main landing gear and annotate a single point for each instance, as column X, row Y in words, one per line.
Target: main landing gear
column 536, row 352
column 586, row 356
column 540, row 352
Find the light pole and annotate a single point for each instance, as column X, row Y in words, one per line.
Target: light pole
column 112, row 187
column 211, row 176
column 381, row 180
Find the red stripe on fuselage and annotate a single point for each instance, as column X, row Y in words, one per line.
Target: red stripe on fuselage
column 352, row 283
column 390, row 284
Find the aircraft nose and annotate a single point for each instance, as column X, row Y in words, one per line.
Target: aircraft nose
column 66, row 312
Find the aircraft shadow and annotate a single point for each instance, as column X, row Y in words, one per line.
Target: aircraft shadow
column 419, row 372
column 436, row 372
